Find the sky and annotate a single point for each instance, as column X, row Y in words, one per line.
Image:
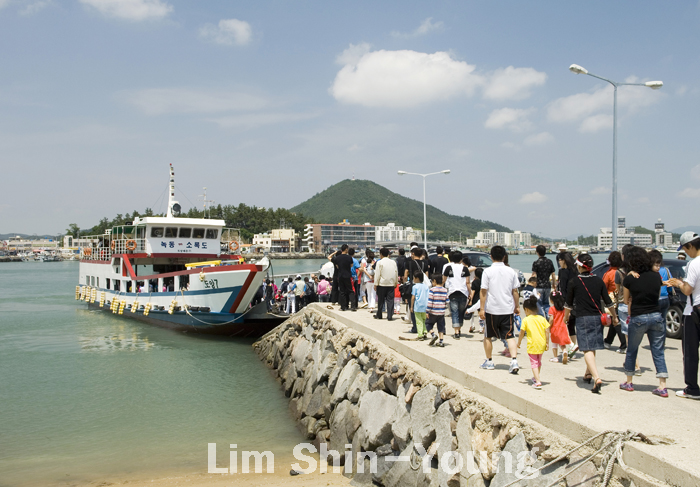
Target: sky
column 269, row 103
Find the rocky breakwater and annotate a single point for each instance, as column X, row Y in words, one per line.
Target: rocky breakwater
column 394, row 423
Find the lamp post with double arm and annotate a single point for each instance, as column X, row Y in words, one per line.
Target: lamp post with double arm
column 654, row 85
column 425, row 214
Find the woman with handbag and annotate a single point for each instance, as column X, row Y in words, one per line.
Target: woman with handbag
column 586, row 292
column 641, row 294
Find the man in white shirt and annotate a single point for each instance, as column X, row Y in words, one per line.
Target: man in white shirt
column 500, row 301
column 690, row 243
column 386, row 277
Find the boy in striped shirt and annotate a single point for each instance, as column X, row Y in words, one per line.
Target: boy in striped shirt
column 437, row 303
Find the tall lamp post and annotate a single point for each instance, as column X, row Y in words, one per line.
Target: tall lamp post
column 654, row 85
column 425, row 214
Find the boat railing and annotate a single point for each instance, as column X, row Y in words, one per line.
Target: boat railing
column 231, row 241
column 102, row 247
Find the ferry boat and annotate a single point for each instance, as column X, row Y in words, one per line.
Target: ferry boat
column 180, row 273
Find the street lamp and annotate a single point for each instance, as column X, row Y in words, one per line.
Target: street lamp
column 654, row 85
column 425, row 214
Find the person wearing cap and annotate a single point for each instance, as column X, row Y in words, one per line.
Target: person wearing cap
column 681, row 256
column 690, row 244
column 562, row 250
column 584, row 292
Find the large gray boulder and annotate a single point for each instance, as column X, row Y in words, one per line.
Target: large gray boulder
column 446, row 443
column 338, row 426
column 401, row 423
column 333, row 377
column 508, row 469
column 586, row 476
column 300, row 353
column 358, row 387
column 422, row 411
column 325, row 367
column 346, row 377
column 319, row 399
column 464, row 433
column 376, row 414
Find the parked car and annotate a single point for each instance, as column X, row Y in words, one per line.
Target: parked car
column 482, row 259
column 674, row 316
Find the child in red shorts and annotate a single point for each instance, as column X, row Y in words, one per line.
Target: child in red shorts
column 537, row 329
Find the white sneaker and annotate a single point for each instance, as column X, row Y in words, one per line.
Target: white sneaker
column 488, row 365
column 514, row 368
column 682, row 393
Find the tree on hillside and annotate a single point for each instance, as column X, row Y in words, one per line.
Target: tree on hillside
column 73, row 229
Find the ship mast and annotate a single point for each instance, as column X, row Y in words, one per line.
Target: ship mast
column 173, row 206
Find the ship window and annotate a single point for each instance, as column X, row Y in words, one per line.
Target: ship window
column 92, row 281
column 108, row 283
column 185, row 232
column 98, row 282
column 170, row 232
column 198, row 233
column 211, row 233
column 87, row 280
column 157, row 232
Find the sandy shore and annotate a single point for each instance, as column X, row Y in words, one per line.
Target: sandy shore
column 239, row 480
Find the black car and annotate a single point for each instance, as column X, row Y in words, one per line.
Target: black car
column 677, row 300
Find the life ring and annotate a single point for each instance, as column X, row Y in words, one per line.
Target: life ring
column 130, row 245
column 234, row 246
column 113, row 245
column 87, row 251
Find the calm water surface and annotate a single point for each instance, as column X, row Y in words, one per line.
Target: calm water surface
column 87, row 396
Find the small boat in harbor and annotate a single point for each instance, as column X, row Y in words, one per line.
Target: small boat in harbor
column 180, row 273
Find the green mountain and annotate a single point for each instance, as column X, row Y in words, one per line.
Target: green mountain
column 362, row 201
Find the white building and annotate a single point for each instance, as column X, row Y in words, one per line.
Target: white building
column 278, row 240
column 393, row 233
column 662, row 237
column 262, row 241
column 506, row 239
column 624, row 236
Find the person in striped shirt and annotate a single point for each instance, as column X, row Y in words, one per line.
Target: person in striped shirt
column 437, row 303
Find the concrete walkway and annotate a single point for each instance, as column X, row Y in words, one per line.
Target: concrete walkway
column 565, row 403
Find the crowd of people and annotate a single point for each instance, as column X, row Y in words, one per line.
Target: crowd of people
column 568, row 310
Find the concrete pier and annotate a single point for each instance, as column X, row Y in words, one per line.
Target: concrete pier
column 565, row 404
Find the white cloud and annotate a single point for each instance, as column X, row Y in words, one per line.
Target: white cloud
column 695, row 172
column 158, row 101
column 424, row 28
column 135, row 10
column 512, row 118
column 586, row 107
column 400, row 78
column 595, row 123
column 512, row 83
column 511, row 146
column 601, row 190
column 690, row 193
column 533, row 198
column 35, row 7
column 4, row 3
column 228, row 32
column 353, row 148
column 254, row 120
column 542, row 138
column 353, row 54
column 575, row 107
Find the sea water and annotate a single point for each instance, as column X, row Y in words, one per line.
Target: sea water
column 88, row 396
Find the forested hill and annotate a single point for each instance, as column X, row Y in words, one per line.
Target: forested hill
column 362, row 201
